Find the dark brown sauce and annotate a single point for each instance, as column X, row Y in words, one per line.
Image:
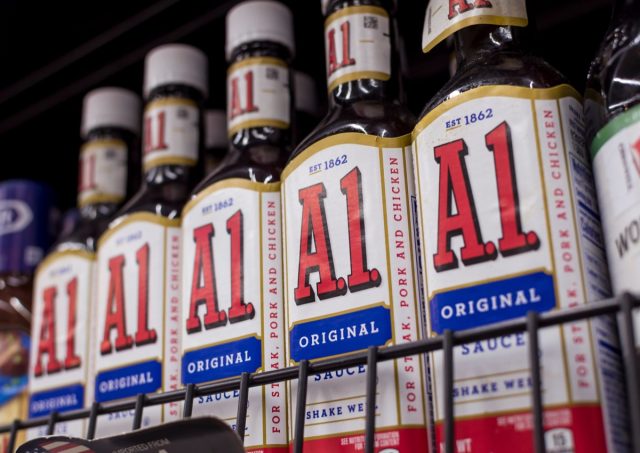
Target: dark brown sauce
column 365, row 106
column 257, row 154
column 492, row 55
column 165, row 189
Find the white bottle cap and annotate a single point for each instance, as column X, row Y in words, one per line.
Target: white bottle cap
column 115, row 107
column 324, row 6
column 259, row 20
column 215, row 129
column 305, row 93
column 176, row 64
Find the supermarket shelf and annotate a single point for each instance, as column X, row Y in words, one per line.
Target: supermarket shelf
column 622, row 307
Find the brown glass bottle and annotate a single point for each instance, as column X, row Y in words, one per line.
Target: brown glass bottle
column 138, row 259
column 502, row 143
column 64, row 281
column 231, row 234
column 347, row 196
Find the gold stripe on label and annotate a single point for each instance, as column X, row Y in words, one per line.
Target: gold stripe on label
column 118, row 145
column 164, row 102
column 226, row 341
column 254, row 61
column 233, row 183
column 137, row 217
column 175, row 160
column 549, row 272
column 258, row 123
column 347, row 138
column 359, row 75
column 55, row 256
column 99, row 198
column 134, row 362
column 556, row 92
column 476, row 20
column 338, row 313
column 355, row 10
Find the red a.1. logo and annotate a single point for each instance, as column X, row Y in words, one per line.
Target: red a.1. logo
column 155, row 133
column 454, row 184
column 315, row 253
column 235, row 104
column 116, row 305
column 204, row 271
column 335, row 62
column 462, row 6
column 48, row 330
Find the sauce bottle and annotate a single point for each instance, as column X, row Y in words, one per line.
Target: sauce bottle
column 509, row 224
column 349, row 240
column 613, row 95
column 232, row 311
column 137, row 303
column 25, row 235
column 64, row 283
column 215, row 139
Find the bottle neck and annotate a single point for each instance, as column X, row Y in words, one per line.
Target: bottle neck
column 172, row 135
column 361, row 60
column 259, row 100
column 476, row 43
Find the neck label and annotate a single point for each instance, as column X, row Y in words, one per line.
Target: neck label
column 258, row 94
column 171, row 132
column 445, row 17
column 357, row 45
column 102, row 174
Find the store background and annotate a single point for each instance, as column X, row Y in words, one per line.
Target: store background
column 54, row 52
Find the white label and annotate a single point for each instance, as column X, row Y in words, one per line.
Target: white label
column 103, row 172
column 137, row 317
column 58, row 368
column 171, row 132
column 509, row 224
column 357, row 45
column 351, row 283
column 445, row 17
column 616, row 166
column 258, row 94
column 233, row 314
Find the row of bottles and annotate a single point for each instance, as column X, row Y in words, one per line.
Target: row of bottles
column 376, row 229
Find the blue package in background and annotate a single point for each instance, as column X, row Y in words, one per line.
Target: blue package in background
column 27, row 220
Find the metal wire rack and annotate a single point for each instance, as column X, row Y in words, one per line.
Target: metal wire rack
column 622, row 307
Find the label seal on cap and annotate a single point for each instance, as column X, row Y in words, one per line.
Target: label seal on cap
column 171, row 132
column 445, row 17
column 357, row 45
column 258, row 94
column 103, row 172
